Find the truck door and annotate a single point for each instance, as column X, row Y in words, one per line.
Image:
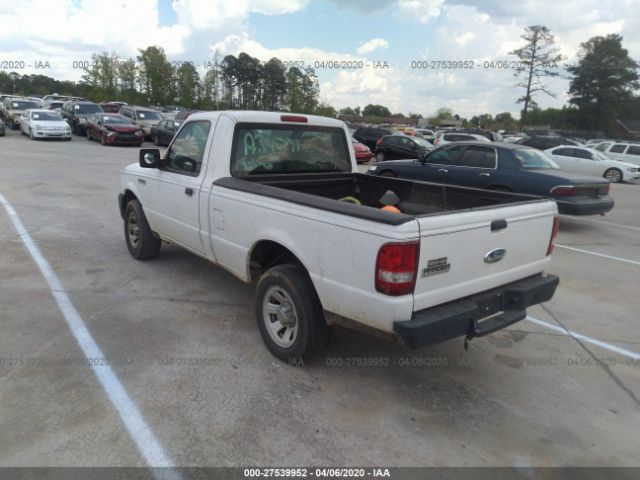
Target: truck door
column 174, row 191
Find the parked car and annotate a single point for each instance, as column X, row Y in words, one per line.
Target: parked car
column 434, row 268
column 392, row 147
column 54, row 98
column 505, row 167
column 3, row 129
column 112, row 129
column 75, row 113
column 591, row 162
column 182, row 115
column 624, row 152
column 370, row 135
column 544, row 142
column 110, row 107
column 363, row 153
column 144, row 117
column 595, row 141
column 53, row 105
column 13, row 108
column 40, row 123
column 163, row 132
column 443, row 138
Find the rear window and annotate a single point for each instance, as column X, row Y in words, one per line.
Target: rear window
column 19, row 105
column 531, row 159
column 268, row 148
column 85, row 108
column 450, row 137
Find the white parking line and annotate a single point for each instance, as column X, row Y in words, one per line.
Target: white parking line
column 607, row 346
column 619, row 225
column 610, row 257
column 133, row 420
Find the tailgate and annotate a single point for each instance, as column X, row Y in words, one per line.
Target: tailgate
column 469, row 252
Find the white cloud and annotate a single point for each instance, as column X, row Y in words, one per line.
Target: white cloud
column 422, row 10
column 371, row 45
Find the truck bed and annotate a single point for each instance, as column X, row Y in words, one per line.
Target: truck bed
column 417, row 199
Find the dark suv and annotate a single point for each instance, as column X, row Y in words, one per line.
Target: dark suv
column 370, row 135
column 75, row 114
column 394, row 147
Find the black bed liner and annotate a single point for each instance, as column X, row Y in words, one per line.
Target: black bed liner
column 417, row 199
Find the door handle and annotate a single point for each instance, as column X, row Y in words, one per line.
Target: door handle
column 443, row 170
column 188, row 191
column 484, row 174
column 142, row 181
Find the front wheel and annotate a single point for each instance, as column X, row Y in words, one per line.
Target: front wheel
column 614, row 175
column 289, row 313
column 380, row 157
column 156, row 141
column 141, row 242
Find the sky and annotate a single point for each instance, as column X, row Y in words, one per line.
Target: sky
column 384, row 43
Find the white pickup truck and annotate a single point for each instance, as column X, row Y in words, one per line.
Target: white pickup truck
column 276, row 199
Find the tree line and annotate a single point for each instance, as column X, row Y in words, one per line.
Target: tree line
column 241, row 82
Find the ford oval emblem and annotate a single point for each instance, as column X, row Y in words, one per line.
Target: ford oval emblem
column 495, row 255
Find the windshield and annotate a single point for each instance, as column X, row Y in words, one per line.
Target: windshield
column 532, row 159
column 422, row 142
column 18, row 105
column 600, row 156
column 262, row 149
column 114, row 119
column 84, row 108
column 48, row 116
column 146, row 115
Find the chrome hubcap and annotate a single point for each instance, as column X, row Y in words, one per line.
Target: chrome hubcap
column 280, row 317
column 133, row 229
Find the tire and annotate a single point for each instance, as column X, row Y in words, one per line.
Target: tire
column 288, row 291
column 380, row 156
column 88, row 136
column 614, row 175
column 31, row 135
column 156, row 141
column 102, row 140
column 388, row 174
column 141, row 242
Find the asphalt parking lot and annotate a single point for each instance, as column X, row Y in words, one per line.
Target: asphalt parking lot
column 181, row 337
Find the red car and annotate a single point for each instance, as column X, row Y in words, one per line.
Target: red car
column 363, row 153
column 111, row 128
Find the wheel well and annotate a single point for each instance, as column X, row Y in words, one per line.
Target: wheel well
column 499, row 188
column 124, row 199
column 266, row 254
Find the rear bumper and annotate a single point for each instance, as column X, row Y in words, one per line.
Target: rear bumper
column 462, row 317
column 585, row 206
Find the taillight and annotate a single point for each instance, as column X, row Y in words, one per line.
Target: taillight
column 293, row 118
column 397, row 267
column 379, row 141
column 554, row 234
column 563, row 191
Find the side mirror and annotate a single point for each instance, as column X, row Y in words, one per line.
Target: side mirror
column 422, row 158
column 150, row 158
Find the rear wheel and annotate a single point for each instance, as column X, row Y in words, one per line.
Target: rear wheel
column 289, row 314
column 141, row 242
column 156, row 141
column 388, row 174
column 614, row 175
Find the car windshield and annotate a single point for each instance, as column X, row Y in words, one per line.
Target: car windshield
column 84, row 108
column 147, row 115
column 422, row 142
column 600, row 156
column 48, row 116
column 289, row 149
column 114, row 119
column 532, row 159
column 23, row 105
